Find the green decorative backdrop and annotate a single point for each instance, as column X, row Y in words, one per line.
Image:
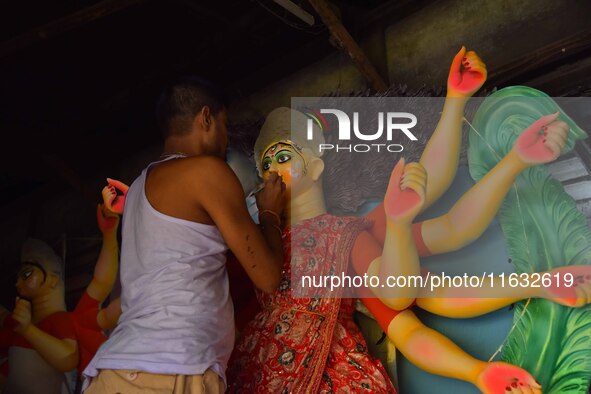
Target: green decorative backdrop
column 544, row 230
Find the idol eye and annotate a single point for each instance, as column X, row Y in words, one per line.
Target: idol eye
column 266, row 164
column 25, row 274
column 283, row 158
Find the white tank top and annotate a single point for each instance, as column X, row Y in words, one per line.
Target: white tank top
column 177, row 313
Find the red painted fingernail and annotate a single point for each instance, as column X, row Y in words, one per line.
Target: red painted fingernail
column 507, row 388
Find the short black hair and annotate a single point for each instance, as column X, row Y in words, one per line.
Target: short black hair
column 183, row 99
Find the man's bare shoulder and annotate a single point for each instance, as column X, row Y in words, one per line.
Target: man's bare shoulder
column 193, row 188
column 202, row 168
column 196, row 168
column 206, row 162
column 192, row 171
column 208, row 173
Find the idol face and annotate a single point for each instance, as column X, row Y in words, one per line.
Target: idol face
column 289, row 162
column 31, row 280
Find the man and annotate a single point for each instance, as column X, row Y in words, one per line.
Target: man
column 39, row 334
column 181, row 214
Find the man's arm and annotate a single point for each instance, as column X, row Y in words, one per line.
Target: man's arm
column 222, row 197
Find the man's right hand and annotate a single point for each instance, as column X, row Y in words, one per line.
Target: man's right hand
column 272, row 197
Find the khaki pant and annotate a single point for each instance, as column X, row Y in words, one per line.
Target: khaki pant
column 122, row 381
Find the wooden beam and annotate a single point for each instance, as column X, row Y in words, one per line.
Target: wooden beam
column 348, row 44
column 299, row 57
column 59, row 26
column 553, row 53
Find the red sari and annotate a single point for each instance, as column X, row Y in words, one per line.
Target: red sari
column 308, row 345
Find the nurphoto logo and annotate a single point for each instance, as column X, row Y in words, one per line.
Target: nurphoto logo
column 395, row 122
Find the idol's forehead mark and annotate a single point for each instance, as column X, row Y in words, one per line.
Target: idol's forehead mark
column 275, row 148
column 272, row 150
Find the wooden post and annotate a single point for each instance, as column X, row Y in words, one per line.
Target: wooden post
column 348, row 44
